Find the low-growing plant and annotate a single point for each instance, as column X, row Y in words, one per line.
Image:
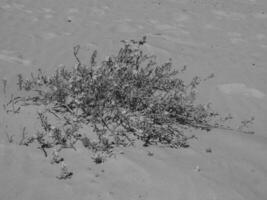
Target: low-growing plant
column 23, row 137
column 56, row 158
column 65, row 173
column 99, row 157
column 4, row 81
column 10, row 138
column 125, row 98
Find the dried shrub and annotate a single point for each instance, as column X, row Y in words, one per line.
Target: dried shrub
column 125, row 98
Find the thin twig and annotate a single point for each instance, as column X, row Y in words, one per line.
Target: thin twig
column 75, row 52
column 43, row 149
column 4, row 85
column 10, row 137
column 23, row 136
column 207, row 126
column 52, row 112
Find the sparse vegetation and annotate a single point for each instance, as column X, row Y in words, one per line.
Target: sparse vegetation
column 10, row 138
column 64, row 173
column 99, row 157
column 125, row 98
column 4, row 81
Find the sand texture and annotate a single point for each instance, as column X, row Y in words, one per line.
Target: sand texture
column 224, row 37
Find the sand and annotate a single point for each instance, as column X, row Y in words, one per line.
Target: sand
column 227, row 38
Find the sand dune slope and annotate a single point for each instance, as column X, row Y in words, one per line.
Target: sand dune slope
column 227, row 38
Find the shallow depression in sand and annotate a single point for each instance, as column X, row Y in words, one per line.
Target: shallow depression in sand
column 240, row 89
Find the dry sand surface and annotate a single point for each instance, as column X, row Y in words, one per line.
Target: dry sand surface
column 224, row 37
